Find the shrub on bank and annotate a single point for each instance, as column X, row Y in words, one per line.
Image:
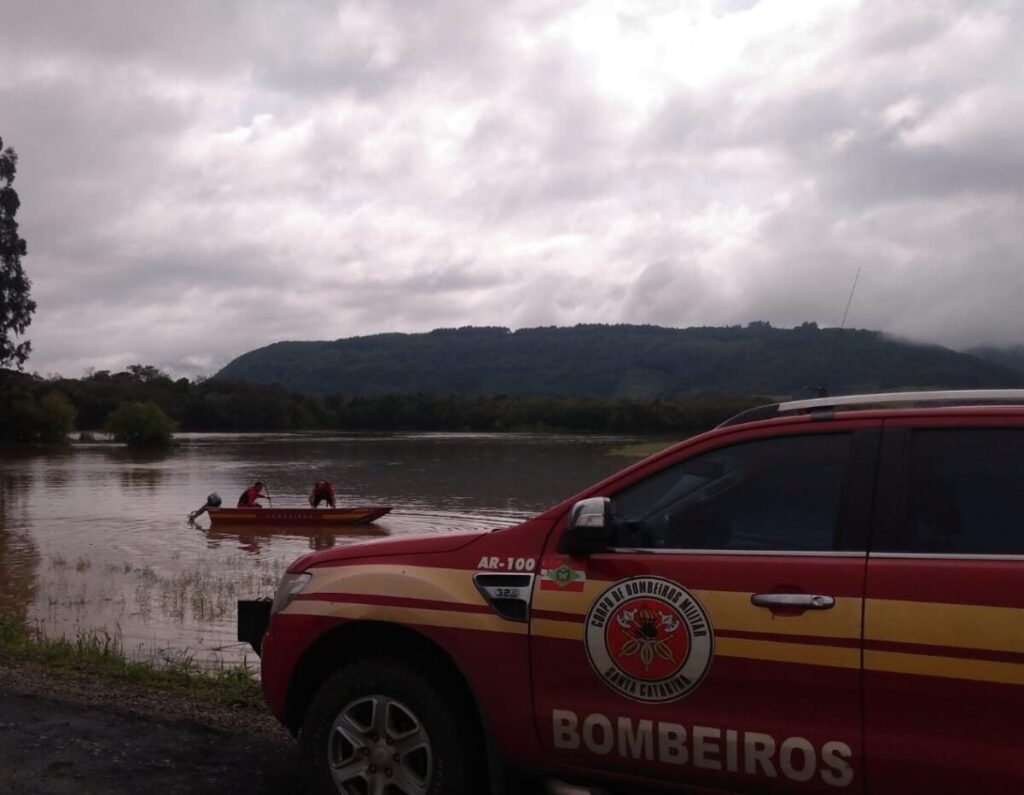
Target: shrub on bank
column 140, row 424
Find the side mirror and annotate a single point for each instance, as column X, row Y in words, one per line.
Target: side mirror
column 590, row 528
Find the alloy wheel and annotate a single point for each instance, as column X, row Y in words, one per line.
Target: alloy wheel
column 378, row 746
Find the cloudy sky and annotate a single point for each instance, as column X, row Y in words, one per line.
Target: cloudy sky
column 199, row 179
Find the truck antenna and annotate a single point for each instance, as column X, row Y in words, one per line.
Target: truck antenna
column 823, row 390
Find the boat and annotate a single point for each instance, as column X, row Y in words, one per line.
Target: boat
column 320, row 517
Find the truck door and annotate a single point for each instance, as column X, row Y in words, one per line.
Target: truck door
column 944, row 616
column 718, row 640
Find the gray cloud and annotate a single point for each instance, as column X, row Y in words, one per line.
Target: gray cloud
column 200, row 179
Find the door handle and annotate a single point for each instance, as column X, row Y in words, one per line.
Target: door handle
column 800, row 601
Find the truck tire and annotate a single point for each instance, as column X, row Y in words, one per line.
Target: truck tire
column 380, row 727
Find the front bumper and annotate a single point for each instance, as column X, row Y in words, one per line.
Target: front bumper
column 253, row 620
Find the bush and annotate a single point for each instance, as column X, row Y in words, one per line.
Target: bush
column 140, row 425
column 58, row 417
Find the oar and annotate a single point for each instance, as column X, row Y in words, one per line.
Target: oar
column 269, row 498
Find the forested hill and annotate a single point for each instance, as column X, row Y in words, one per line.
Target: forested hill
column 620, row 361
column 1011, row 357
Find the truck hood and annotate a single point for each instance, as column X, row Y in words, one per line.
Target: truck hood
column 388, row 547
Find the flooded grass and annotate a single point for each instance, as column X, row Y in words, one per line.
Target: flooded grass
column 202, row 593
column 187, row 598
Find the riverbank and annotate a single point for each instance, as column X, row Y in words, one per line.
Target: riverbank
column 99, row 656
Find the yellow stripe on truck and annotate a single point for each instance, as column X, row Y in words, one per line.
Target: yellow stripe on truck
column 939, row 624
column 406, row 615
column 410, row 582
column 802, row 653
column 948, row 667
column 564, row 630
column 743, row 648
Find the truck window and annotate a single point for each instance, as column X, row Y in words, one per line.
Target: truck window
column 782, row 494
column 964, row 493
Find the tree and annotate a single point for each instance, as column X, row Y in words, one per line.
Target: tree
column 16, row 307
column 140, row 425
column 146, row 373
column 30, row 412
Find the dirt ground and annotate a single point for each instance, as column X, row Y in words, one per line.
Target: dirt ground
column 64, row 735
column 82, row 736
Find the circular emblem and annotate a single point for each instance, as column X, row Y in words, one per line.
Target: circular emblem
column 649, row 639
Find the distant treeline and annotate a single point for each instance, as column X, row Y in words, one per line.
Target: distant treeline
column 37, row 409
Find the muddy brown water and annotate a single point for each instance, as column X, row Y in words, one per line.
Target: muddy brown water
column 95, row 539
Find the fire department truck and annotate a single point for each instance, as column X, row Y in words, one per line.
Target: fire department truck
column 817, row 596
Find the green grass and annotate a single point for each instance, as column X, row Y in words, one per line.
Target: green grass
column 101, row 654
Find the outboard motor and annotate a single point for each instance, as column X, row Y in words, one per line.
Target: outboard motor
column 212, row 501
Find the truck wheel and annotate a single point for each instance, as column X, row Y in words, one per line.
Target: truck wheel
column 379, row 728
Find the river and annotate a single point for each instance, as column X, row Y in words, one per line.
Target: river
column 94, row 539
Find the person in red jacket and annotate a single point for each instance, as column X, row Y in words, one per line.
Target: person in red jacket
column 251, row 494
column 322, row 490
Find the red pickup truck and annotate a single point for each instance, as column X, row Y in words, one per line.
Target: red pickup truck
column 817, row 596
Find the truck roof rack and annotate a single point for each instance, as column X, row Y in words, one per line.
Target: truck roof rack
column 825, row 406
